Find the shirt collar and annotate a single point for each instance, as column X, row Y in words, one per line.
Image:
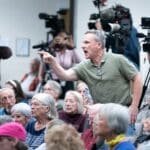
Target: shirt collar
column 102, row 61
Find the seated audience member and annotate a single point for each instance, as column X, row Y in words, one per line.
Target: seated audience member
column 43, row 110
column 7, row 100
column 142, row 127
column 5, row 119
column 52, row 123
column 15, row 85
column 54, row 89
column 111, row 123
column 58, row 139
column 12, row 136
column 21, row 113
column 146, row 124
column 30, row 80
column 73, row 110
column 142, row 142
column 83, row 89
column 90, row 139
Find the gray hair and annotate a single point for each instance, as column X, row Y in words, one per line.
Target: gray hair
column 5, row 119
column 49, row 101
column 117, row 117
column 55, row 85
column 99, row 36
column 7, row 89
column 22, row 108
column 78, row 99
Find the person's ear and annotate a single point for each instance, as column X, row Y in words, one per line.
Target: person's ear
column 99, row 44
column 47, row 108
column 14, row 141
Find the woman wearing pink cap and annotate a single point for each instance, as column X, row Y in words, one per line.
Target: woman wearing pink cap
column 12, row 136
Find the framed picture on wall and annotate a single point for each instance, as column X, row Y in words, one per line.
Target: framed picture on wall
column 22, row 47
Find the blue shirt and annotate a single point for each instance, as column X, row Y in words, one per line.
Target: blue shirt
column 3, row 111
column 34, row 138
column 125, row 145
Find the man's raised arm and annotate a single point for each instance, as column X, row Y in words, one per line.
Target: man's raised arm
column 68, row 75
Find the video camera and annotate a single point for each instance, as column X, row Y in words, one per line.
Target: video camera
column 110, row 18
column 116, row 21
column 45, row 46
column 145, row 23
column 56, row 23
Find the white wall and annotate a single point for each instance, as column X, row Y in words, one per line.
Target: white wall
column 85, row 7
column 19, row 19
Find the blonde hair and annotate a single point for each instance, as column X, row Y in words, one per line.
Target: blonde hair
column 58, row 139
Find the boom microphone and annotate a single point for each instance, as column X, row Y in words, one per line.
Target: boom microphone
column 5, row 52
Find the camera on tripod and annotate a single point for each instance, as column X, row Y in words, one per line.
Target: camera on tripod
column 52, row 21
column 145, row 23
column 56, row 23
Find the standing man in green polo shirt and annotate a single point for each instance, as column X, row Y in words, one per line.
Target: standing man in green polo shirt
column 110, row 77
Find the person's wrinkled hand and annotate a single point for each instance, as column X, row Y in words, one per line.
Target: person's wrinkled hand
column 133, row 113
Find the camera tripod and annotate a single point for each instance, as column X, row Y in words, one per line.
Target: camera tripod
column 47, row 76
column 145, row 86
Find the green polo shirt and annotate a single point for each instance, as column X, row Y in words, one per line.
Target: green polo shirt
column 109, row 82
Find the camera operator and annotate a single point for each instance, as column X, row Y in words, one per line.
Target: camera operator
column 66, row 56
column 121, row 34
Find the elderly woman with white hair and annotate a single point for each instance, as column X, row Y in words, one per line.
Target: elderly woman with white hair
column 21, row 113
column 54, row 88
column 73, row 110
column 43, row 110
column 111, row 123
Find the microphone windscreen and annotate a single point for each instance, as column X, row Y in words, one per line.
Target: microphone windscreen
column 5, row 52
column 43, row 16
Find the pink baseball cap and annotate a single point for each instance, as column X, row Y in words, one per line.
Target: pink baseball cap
column 13, row 129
